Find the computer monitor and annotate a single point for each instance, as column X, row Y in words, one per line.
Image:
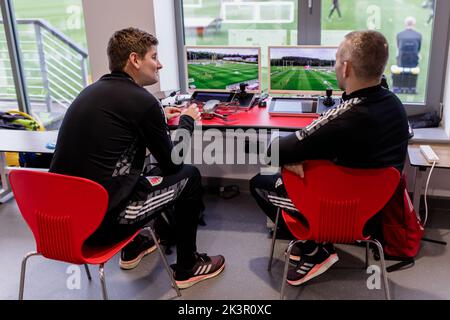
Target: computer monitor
column 211, row 68
column 302, row 69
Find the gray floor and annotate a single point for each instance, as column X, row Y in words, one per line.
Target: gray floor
column 235, row 228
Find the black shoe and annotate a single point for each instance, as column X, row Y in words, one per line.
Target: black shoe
column 133, row 253
column 295, row 252
column 311, row 266
column 205, row 268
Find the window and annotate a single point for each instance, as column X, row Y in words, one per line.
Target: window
column 52, row 42
column 8, row 98
column 408, row 27
column 241, row 23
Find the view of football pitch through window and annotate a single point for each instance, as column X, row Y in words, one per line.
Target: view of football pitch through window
column 53, row 49
column 267, row 23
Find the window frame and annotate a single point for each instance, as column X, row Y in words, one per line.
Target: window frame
column 12, row 43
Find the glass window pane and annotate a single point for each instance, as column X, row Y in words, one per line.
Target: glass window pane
column 53, row 47
column 407, row 69
column 8, row 98
column 241, row 23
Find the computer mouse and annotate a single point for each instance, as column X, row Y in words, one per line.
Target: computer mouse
column 210, row 105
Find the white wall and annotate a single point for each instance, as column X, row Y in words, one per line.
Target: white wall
column 167, row 48
column 104, row 17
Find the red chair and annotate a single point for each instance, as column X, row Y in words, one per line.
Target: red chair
column 336, row 203
column 62, row 212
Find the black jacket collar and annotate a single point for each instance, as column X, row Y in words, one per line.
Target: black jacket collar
column 117, row 74
column 361, row 93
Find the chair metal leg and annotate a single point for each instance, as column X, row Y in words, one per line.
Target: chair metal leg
column 286, row 265
column 367, row 255
column 274, row 237
column 166, row 264
column 22, row 272
column 101, row 273
column 88, row 273
column 383, row 267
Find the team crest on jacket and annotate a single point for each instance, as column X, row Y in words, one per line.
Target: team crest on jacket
column 278, row 183
column 155, row 180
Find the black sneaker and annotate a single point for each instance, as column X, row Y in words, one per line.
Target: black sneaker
column 205, row 268
column 295, row 253
column 311, row 266
column 133, row 253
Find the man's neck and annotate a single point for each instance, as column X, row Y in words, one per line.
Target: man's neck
column 132, row 74
column 353, row 87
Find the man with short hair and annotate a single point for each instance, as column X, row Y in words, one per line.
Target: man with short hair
column 104, row 137
column 368, row 130
column 409, row 42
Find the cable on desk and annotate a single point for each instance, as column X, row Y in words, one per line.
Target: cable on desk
column 425, row 195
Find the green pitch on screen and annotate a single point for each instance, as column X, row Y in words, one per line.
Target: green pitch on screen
column 220, row 75
column 299, row 79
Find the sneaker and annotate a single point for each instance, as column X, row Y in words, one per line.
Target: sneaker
column 133, row 253
column 311, row 266
column 205, row 268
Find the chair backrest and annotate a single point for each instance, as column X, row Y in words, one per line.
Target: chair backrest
column 61, row 211
column 337, row 201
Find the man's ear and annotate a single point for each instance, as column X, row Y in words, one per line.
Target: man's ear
column 346, row 69
column 134, row 60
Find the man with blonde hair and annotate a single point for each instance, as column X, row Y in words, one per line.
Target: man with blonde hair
column 368, row 130
column 409, row 42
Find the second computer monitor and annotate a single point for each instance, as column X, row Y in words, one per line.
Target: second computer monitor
column 223, row 68
column 302, row 69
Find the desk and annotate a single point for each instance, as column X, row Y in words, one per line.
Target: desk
column 255, row 118
column 21, row 141
column 417, row 160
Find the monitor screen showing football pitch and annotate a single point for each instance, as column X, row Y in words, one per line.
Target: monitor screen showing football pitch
column 302, row 69
column 223, row 68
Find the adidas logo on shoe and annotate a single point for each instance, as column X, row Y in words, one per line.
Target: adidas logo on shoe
column 205, row 268
column 295, row 253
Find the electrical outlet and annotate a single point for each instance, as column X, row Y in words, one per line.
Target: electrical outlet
column 428, row 153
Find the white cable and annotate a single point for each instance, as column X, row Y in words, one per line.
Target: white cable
column 425, row 195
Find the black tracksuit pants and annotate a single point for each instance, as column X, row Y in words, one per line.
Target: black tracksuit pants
column 152, row 194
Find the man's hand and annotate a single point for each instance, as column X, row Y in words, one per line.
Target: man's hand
column 192, row 111
column 171, row 112
column 296, row 168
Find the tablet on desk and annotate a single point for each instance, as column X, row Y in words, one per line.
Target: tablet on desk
column 293, row 107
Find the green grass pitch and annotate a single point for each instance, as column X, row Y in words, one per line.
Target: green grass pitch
column 219, row 75
column 297, row 78
column 386, row 16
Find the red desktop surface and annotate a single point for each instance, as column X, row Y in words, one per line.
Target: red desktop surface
column 255, row 117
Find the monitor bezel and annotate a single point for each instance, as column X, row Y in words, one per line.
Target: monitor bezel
column 297, row 92
column 186, row 78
